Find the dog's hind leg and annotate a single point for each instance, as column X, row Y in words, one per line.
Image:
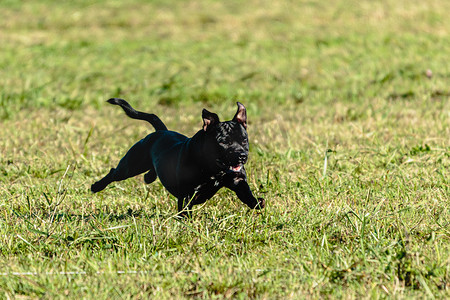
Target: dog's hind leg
column 150, row 176
column 102, row 183
column 136, row 161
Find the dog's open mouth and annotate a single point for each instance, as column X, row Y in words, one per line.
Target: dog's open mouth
column 236, row 168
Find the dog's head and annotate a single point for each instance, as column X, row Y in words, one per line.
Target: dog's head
column 226, row 143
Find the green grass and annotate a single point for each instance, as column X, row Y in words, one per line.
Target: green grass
column 349, row 142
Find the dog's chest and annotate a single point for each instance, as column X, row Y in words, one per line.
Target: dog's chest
column 213, row 181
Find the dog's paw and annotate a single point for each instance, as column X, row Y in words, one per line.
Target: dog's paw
column 96, row 187
column 261, row 203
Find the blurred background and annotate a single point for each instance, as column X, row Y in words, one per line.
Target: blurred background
column 348, row 108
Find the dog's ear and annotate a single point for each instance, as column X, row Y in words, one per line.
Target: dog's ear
column 241, row 115
column 209, row 119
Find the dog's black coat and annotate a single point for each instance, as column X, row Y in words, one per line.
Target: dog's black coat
column 191, row 169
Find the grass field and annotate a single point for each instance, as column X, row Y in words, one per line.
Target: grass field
column 349, row 126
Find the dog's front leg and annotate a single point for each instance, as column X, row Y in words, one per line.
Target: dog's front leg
column 239, row 185
column 185, row 205
column 202, row 193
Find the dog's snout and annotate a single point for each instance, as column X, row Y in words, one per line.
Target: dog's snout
column 243, row 156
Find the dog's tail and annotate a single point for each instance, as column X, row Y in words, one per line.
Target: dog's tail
column 132, row 113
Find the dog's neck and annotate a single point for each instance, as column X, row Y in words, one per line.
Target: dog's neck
column 199, row 154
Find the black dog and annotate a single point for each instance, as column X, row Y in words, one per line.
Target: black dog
column 191, row 169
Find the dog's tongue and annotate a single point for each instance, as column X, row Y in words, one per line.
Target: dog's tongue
column 236, row 168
